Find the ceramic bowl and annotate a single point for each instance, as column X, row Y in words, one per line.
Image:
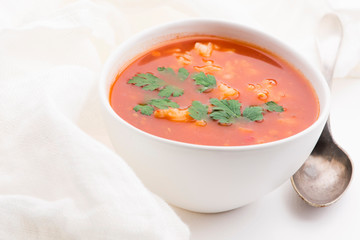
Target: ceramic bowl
column 209, row 178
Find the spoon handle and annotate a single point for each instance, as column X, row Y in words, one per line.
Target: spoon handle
column 329, row 38
column 325, row 142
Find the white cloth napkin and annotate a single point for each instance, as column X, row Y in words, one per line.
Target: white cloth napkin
column 56, row 180
column 59, row 178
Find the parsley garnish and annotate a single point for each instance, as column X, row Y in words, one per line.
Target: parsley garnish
column 253, row 113
column 171, row 90
column 163, row 103
column 150, row 82
column 164, row 70
column 147, row 81
column 181, row 75
column 225, row 111
column 207, row 81
column 198, row 110
column 273, row 107
column 144, row 109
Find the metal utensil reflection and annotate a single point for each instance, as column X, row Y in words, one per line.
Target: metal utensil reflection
column 327, row 172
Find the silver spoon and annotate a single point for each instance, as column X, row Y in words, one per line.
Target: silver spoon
column 327, row 172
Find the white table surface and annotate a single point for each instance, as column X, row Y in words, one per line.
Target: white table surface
column 282, row 214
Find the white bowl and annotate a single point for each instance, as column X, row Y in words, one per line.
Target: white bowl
column 209, row 178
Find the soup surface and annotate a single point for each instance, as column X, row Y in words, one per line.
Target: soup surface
column 212, row 91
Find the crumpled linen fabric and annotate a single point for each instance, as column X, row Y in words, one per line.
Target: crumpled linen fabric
column 59, row 178
column 56, row 180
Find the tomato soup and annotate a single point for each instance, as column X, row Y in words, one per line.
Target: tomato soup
column 209, row 90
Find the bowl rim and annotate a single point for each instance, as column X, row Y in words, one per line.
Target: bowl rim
column 112, row 59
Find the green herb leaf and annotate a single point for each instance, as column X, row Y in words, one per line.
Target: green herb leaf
column 164, row 70
column 273, row 107
column 253, row 113
column 183, row 74
column 147, row 81
column 145, row 109
column 207, row 81
column 163, row 103
column 171, row 90
column 198, row 110
column 225, row 111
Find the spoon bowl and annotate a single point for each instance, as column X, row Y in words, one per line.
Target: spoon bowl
column 326, row 174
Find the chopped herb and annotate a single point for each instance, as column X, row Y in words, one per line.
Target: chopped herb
column 148, row 108
column 273, row 107
column 183, row 74
column 171, row 90
column 164, row 70
column 198, row 110
column 147, row 81
column 253, row 113
column 225, row 111
column 144, row 109
column 163, row 103
column 207, row 81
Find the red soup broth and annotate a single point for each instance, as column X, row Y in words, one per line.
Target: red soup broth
column 243, row 72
